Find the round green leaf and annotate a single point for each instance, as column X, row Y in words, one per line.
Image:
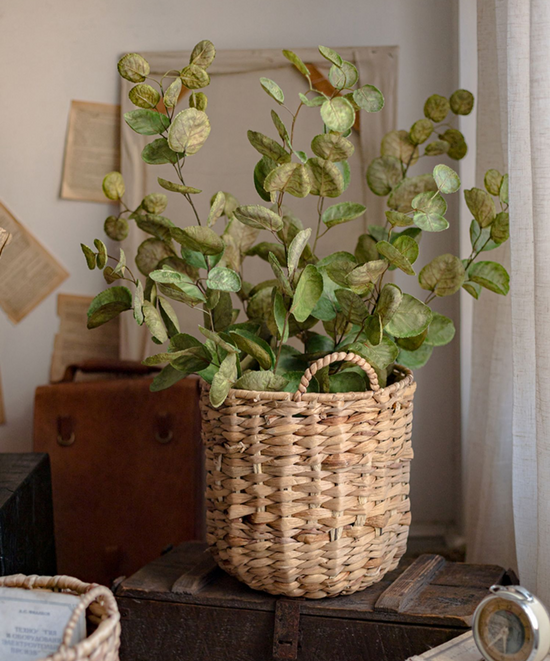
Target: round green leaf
column 440, row 331
column 265, row 381
column 369, row 98
column 199, row 238
column 292, row 178
column 116, row 228
column 325, row 178
column 462, row 102
column 198, row 100
column 481, row 205
column 405, row 192
column 274, row 91
column 437, row 148
column 412, row 343
column 410, row 319
column 281, row 128
column 155, row 203
column 297, row 62
column 223, row 380
column 400, row 145
column 172, row 94
column 444, row 275
column 156, row 225
column 158, row 153
column 384, row 174
column 481, row 238
column 254, row 346
column 421, row 131
column 133, row 67
column 353, row 306
column 342, row 213
column 361, row 279
column 101, row 253
column 344, row 169
column 203, row 54
column 89, row 254
column 178, row 188
column 493, row 181
column 332, row 147
column 365, row 250
column 108, row 304
column 146, row 121
column 398, row 219
column 259, row 217
column 388, row 303
column 395, row 256
column 491, row 275
column 113, row 186
column 194, row 77
column 436, row 108
column 314, row 102
column 446, row 179
column 500, row 227
column 457, row 145
column 407, row 246
column 268, row 147
column 223, row 279
column 308, row 292
column 144, row 96
column 430, row 203
column 338, row 114
column 503, row 193
column 150, row 253
column 330, row 55
column 295, row 250
column 415, row 359
column 263, row 167
column 189, row 130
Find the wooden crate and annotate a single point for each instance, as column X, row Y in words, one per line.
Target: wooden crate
column 181, row 607
column 27, row 543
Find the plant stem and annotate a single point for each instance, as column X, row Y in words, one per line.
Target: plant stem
column 320, row 213
column 187, row 196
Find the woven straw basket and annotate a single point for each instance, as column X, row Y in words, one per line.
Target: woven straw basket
column 307, row 494
column 104, row 642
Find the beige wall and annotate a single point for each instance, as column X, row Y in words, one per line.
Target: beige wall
column 52, row 51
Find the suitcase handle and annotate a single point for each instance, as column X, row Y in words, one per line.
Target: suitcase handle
column 128, row 367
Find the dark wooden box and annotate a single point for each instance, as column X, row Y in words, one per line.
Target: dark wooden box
column 27, row 543
column 182, row 608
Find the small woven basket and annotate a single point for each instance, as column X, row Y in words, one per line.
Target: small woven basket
column 307, row 494
column 104, row 642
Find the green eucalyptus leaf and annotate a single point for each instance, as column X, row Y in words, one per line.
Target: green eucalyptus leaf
column 342, row 213
column 263, row 167
column 462, row 102
column 279, row 313
column 493, row 182
column 297, row 62
column 133, row 67
column 325, row 178
column 137, row 304
column 380, row 356
column 291, row 178
column 199, row 238
column 365, row 250
column 378, row 232
column 194, row 77
column 198, row 100
column 503, row 193
column 412, row 343
column 108, row 304
column 437, row 148
column 353, row 306
column 144, row 96
column 254, row 346
column 444, row 275
column 281, row 128
column 446, row 179
column 172, row 94
column 392, row 253
column 384, row 174
column 436, row 108
column 155, row 203
column 388, row 303
column 407, row 246
column 263, row 249
column 110, row 276
column 156, row 225
column 254, row 215
column 347, row 381
column 332, row 147
column 339, row 269
column 440, row 331
column 430, row 222
column 217, row 339
column 345, row 171
column 158, row 153
column 398, row 219
column 262, row 382
column 101, row 253
column 457, row 145
column 217, row 207
column 223, row 279
column 473, row 289
column 415, row 359
column 280, row 275
column 400, row 145
column 369, row 98
column 430, row 203
column 421, row 131
column 116, row 228
column 410, row 319
column 308, row 292
column 274, row 91
column 146, row 121
column 324, row 310
column 150, row 253
column 331, row 55
column 295, row 250
column 314, row 102
column 481, row 205
column 113, row 186
column 223, row 380
column 203, row 54
column 169, row 317
column 491, row 275
column 481, row 238
column 362, row 278
column 338, row 114
column 404, row 193
column 373, row 329
column 500, row 227
column 268, row 147
column 223, row 312
column 166, row 378
column 90, row 255
column 188, row 131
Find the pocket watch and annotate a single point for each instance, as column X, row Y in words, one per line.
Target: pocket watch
column 511, row 625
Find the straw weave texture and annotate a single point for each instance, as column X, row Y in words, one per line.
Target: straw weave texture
column 103, row 644
column 307, row 494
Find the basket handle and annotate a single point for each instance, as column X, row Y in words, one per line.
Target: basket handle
column 335, row 358
column 96, row 593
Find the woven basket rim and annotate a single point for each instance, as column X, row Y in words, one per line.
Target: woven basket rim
column 406, row 378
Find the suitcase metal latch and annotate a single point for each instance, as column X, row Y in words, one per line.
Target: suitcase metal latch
column 286, row 633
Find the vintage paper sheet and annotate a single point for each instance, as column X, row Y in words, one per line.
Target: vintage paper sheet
column 74, row 343
column 28, row 272
column 92, row 150
column 32, row 623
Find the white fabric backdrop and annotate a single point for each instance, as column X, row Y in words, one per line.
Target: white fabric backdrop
column 508, row 453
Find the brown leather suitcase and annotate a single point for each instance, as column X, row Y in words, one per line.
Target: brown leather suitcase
column 126, row 468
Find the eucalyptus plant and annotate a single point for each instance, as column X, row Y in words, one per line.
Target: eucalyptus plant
column 251, row 331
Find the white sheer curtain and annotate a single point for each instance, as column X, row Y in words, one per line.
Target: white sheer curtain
column 508, row 441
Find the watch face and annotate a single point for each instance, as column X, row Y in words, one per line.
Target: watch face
column 505, row 631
